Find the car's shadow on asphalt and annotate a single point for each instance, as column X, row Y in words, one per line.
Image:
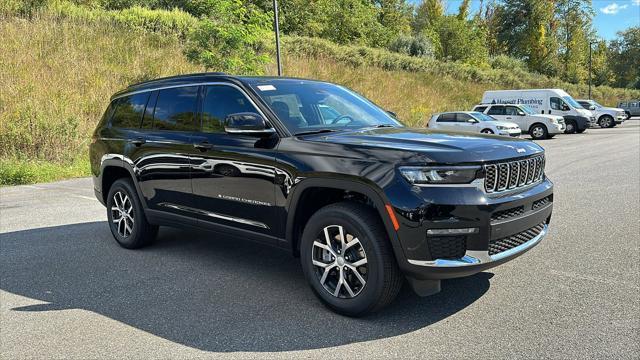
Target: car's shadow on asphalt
column 203, row 290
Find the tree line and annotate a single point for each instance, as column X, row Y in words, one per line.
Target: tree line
column 550, row 37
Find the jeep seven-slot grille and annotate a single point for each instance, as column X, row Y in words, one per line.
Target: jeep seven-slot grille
column 509, row 242
column 513, row 174
column 447, row 247
column 506, row 214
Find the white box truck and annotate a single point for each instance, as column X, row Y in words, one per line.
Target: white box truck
column 546, row 101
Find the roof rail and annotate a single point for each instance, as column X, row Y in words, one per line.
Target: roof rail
column 175, row 77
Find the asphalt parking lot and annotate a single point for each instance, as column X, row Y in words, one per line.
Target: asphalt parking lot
column 68, row 290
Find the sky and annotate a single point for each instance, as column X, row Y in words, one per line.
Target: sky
column 611, row 15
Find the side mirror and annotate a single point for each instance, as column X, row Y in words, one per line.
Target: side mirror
column 520, row 113
column 592, row 107
column 395, row 116
column 247, row 123
column 473, row 121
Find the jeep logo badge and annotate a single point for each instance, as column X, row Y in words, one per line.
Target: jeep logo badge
column 520, row 150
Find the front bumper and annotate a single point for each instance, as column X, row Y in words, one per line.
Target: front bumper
column 511, row 133
column 470, row 208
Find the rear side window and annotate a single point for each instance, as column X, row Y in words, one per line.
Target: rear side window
column 447, row 118
column 128, row 111
column 496, row 110
column 176, row 109
column 219, row 102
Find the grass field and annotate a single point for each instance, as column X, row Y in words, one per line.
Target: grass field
column 58, row 74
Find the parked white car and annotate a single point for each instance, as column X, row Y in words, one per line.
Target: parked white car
column 538, row 126
column 606, row 117
column 473, row 121
column 546, row 101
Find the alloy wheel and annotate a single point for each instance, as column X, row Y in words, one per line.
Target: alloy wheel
column 122, row 214
column 538, row 132
column 340, row 262
column 605, row 122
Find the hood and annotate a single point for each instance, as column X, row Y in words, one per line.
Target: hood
column 506, row 124
column 548, row 116
column 585, row 112
column 426, row 145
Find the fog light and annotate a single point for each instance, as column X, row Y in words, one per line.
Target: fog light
column 463, row 231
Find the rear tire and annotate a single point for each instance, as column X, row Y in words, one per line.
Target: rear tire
column 127, row 220
column 571, row 127
column 486, row 131
column 581, row 131
column 538, row 132
column 326, row 269
column 628, row 115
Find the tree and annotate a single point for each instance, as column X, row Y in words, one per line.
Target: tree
column 574, row 34
column 600, row 69
column 625, row 58
column 463, row 10
column 394, row 16
column 462, row 40
column 231, row 38
column 428, row 13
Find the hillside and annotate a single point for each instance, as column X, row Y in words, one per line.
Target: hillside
column 58, row 73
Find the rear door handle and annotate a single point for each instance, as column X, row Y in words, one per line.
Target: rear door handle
column 138, row 141
column 508, row 118
column 203, row 146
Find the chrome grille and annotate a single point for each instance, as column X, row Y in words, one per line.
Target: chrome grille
column 513, row 174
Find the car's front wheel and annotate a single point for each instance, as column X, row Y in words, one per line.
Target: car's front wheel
column 538, row 132
column 570, row 127
column 347, row 259
column 606, row 122
column 127, row 221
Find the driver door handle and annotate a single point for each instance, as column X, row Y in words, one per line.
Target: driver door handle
column 508, row 117
column 203, row 146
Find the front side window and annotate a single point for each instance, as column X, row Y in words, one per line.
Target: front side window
column 496, row 110
column 128, row 111
column 219, row 102
column 462, row 117
column 176, row 109
column 558, row 104
column 305, row 106
column 512, row 110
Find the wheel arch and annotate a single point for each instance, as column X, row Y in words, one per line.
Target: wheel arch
column 538, row 123
column 298, row 215
column 116, row 168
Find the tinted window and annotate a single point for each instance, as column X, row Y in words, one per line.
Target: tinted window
column 220, row 101
column 461, row 117
column 129, row 109
column 584, row 104
column 480, row 108
column 496, row 110
column 633, row 104
column 511, row 110
column 447, row 118
column 175, row 109
column 147, row 118
column 556, row 103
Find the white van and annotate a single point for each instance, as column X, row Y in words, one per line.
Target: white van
column 546, row 101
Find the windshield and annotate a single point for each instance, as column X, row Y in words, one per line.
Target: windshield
column 527, row 110
column 307, row 106
column 572, row 102
column 482, row 117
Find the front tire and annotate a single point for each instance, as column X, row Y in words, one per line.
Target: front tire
column 348, row 260
column 127, row 220
column 606, row 122
column 538, row 132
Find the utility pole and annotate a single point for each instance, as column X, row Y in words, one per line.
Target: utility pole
column 277, row 30
column 590, row 43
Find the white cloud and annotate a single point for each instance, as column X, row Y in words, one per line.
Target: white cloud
column 613, row 8
column 636, row 2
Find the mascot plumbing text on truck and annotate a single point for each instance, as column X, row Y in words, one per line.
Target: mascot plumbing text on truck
column 546, row 101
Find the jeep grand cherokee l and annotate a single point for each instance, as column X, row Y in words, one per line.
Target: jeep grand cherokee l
column 319, row 170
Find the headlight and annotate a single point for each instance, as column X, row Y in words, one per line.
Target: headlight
column 554, row 120
column 439, row 174
column 502, row 127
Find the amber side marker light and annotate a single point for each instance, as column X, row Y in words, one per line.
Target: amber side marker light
column 392, row 215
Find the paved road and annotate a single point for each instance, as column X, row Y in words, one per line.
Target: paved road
column 67, row 289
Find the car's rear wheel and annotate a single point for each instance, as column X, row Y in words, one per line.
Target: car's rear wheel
column 538, row 132
column 127, row 220
column 487, row 131
column 347, row 259
column 606, row 122
column 628, row 115
column 570, row 127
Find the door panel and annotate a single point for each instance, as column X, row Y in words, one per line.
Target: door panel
column 233, row 175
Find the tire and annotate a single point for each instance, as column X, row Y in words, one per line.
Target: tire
column 571, row 127
column 550, row 136
column 487, row 131
column 581, row 131
column 538, row 132
column 628, row 115
column 606, row 121
column 380, row 273
column 133, row 231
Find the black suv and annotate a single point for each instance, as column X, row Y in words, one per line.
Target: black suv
column 319, row 170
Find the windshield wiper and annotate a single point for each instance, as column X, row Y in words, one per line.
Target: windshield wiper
column 319, row 131
column 384, row 126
